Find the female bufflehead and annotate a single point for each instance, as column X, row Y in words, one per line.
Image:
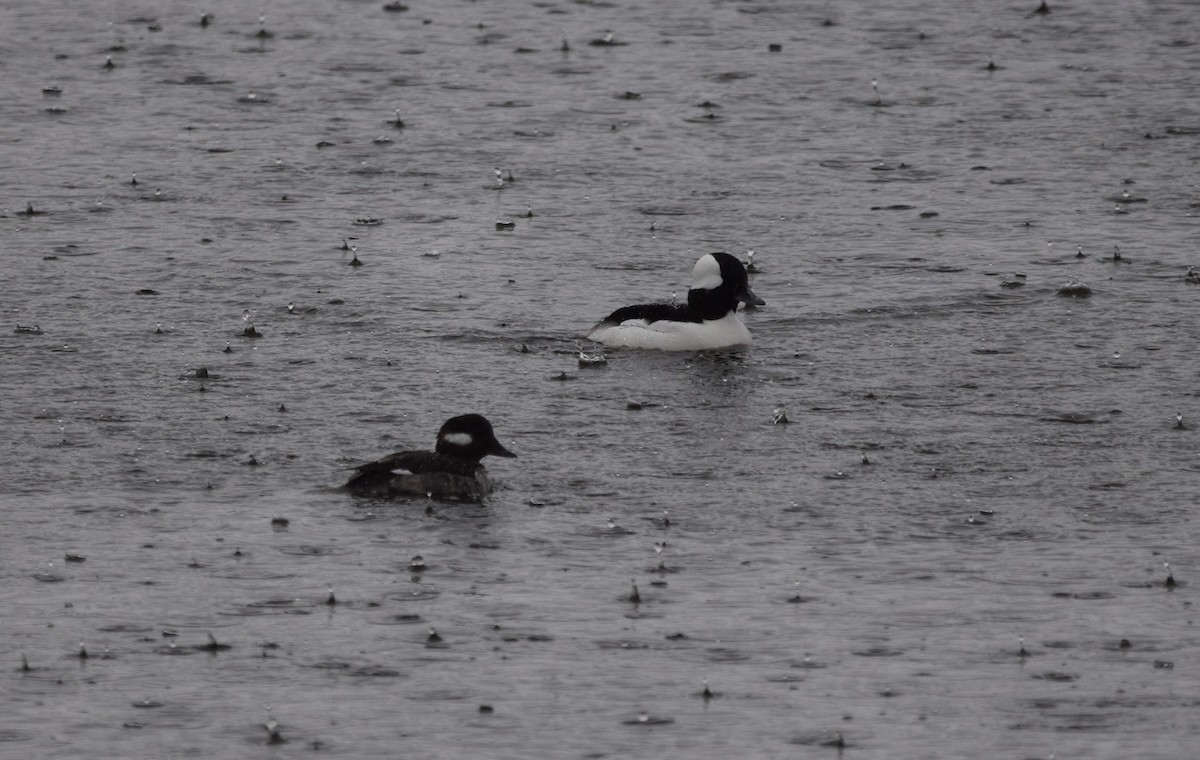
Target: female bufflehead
column 452, row 471
column 708, row 320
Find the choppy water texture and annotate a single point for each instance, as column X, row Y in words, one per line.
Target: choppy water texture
column 956, row 544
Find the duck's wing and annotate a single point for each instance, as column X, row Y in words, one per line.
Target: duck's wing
column 405, row 472
column 648, row 313
column 415, row 463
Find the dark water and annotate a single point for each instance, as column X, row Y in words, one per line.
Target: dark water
column 972, row 468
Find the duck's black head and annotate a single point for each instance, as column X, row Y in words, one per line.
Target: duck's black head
column 469, row 437
column 719, row 282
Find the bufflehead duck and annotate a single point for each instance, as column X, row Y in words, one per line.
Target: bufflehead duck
column 452, row 471
column 708, row 320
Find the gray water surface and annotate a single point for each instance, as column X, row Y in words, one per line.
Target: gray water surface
column 956, row 547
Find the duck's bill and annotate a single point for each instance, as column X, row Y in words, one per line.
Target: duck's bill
column 498, row 450
column 746, row 295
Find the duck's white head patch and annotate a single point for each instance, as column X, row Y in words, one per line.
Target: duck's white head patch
column 706, row 275
column 458, row 439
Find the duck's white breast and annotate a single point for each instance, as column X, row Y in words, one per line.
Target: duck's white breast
column 666, row 335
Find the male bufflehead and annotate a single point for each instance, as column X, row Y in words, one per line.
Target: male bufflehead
column 452, row 471
column 708, row 320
